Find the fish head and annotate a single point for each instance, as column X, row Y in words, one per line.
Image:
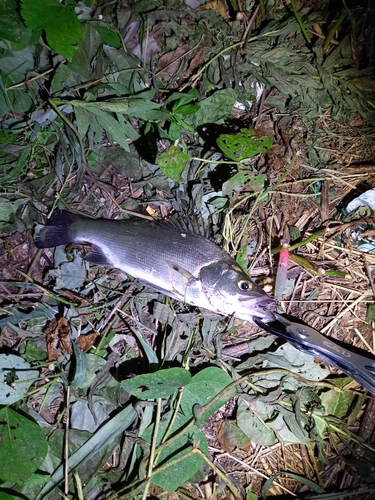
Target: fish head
column 231, row 292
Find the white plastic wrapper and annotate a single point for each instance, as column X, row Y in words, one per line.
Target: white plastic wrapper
column 366, row 199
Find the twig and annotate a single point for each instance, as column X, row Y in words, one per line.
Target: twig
column 244, row 464
column 364, row 340
column 28, row 80
column 248, row 27
column 341, row 314
column 66, row 443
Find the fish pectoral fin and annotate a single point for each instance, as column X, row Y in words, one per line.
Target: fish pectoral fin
column 97, row 257
column 186, row 274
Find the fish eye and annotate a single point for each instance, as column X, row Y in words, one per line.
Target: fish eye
column 244, row 285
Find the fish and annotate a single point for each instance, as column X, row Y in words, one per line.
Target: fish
column 180, row 264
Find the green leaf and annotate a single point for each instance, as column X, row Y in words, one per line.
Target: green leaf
column 241, row 257
column 182, row 98
column 187, row 109
column 79, row 70
column 5, row 496
column 243, row 145
column 18, row 101
column 23, row 446
column 370, row 316
column 174, row 131
column 180, row 472
column 204, row 386
column 243, row 181
column 12, row 28
column 16, row 376
column 83, row 120
column 9, row 211
column 111, row 126
column 337, row 403
column 80, row 366
column 173, row 162
column 234, row 436
column 32, row 352
column 254, row 426
column 289, row 427
column 213, row 108
column 108, row 35
column 160, row 384
column 60, row 23
column 70, row 275
column 105, row 436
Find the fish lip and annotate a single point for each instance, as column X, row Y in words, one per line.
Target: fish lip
column 264, row 315
column 264, row 308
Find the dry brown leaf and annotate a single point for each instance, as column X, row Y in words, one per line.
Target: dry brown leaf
column 57, row 335
column 85, row 342
column 218, row 6
column 169, row 63
column 220, row 436
column 197, row 59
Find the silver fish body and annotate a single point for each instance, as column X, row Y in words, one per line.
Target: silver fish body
column 182, row 265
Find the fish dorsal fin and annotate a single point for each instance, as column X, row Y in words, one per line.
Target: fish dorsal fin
column 191, row 223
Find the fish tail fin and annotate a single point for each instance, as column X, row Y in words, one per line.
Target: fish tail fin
column 60, row 230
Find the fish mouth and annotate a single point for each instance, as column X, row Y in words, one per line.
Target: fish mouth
column 262, row 309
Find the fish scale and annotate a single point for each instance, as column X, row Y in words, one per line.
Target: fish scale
column 180, row 264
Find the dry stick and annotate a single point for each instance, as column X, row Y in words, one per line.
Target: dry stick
column 353, row 251
column 324, row 205
column 246, row 33
column 346, row 289
column 66, row 443
column 119, row 305
column 294, row 293
column 364, row 340
column 244, row 464
column 341, row 314
column 28, row 80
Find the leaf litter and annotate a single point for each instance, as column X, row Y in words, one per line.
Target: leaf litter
column 141, row 132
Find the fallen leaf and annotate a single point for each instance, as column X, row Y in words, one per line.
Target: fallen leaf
column 85, row 342
column 57, row 335
column 169, row 63
column 218, row 6
column 230, row 436
column 197, row 59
